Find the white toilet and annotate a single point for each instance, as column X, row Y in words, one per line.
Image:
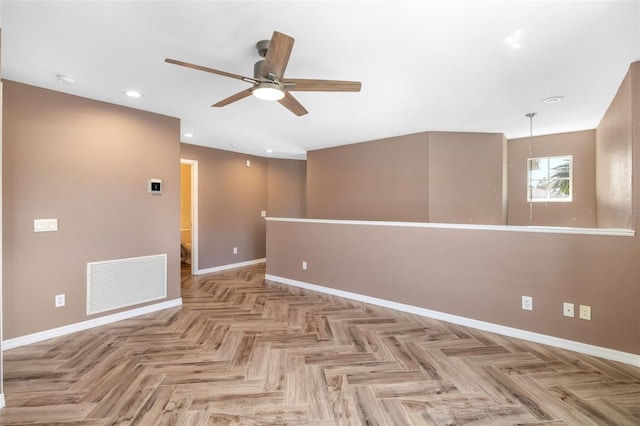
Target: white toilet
column 185, row 245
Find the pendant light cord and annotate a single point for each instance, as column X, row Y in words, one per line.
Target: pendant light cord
column 530, row 164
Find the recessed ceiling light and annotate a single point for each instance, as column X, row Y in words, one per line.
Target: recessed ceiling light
column 187, row 135
column 133, row 94
column 513, row 39
column 66, row 79
column 269, row 151
column 552, row 99
column 235, row 145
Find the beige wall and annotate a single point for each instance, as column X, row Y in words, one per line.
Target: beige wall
column 614, row 145
column 286, row 188
column 466, row 179
column 232, row 196
column 230, row 199
column 423, row 177
column 454, row 177
column 384, row 179
column 580, row 212
column 634, row 71
column 87, row 164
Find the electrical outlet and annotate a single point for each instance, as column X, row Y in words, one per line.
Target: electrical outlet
column 567, row 309
column 585, row 312
column 304, row 265
column 527, row 303
column 235, row 250
column 59, row 300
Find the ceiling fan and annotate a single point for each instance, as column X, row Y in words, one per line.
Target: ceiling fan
column 268, row 81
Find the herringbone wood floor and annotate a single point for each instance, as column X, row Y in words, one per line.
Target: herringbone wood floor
column 242, row 351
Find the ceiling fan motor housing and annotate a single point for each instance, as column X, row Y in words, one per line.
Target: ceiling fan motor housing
column 263, row 46
column 257, row 69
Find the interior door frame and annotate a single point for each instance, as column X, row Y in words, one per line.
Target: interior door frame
column 194, row 213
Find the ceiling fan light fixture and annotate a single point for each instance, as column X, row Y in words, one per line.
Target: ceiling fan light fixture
column 268, row 91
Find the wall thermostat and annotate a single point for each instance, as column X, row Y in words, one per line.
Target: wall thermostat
column 155, row 186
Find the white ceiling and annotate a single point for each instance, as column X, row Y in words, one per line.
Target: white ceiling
column 424, row 65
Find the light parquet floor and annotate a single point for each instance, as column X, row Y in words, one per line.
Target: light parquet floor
column 244, row 351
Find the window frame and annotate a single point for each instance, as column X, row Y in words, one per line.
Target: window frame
column 549, row 199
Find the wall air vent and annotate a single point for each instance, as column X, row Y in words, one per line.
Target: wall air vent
column 114, row 284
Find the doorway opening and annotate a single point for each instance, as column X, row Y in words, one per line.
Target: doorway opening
column 189, row 215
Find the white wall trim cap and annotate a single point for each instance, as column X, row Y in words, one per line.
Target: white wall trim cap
column 84, row 325
column 616, row 232
column 571, row 345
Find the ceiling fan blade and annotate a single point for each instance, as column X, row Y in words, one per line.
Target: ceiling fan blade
column 277, row 55
column 292, row 104
column 233, row 98
column 308, row 85
column 211, row 70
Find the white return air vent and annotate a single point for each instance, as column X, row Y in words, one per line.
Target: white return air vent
column 114, row 284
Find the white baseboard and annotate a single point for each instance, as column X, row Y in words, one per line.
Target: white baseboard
column 84, row 325
column 571, row 345
column 231, row 266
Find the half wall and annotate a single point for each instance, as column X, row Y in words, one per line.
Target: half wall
column 474, row 273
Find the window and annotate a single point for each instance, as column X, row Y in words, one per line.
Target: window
column 549, row 178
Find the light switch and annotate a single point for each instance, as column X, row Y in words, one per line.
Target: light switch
column 45, row 225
